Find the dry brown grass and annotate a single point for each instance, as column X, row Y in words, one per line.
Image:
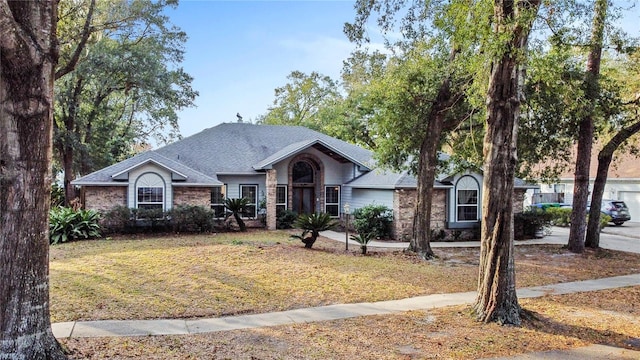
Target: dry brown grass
column 558, row 322
column 202, row 276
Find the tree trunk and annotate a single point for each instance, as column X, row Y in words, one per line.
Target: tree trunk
column 428, row 165
column 604, row 160
column 28, row 55
column 585, row 132
column 497, row 299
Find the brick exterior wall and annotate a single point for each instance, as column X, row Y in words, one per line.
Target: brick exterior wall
column 104, row 198
column 404, row 201
column 403, row 207
column 518, row 200
column 271, row 183
column 200, row 196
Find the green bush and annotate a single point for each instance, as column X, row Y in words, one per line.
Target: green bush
column 373, row 219
column 119, row 219
column 363, row 239
column 151, row 220
column 559, row 216
column 530, row 223
column 285, row 219
column 66, row 224
column 57, row 195
column 191, row 219
column 313, row 224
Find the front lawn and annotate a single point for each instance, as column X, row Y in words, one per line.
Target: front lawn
column 255, row 272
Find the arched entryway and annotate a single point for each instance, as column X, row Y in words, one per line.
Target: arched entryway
column 303, row 180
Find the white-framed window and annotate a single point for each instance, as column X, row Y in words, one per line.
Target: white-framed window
column 150, row 191
column 250, row 192
column 332, row 200
column 559, row 188
column 218, row 195
column 281, row 198
column 467, row 191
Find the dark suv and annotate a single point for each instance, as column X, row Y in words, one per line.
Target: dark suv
column 617, row 209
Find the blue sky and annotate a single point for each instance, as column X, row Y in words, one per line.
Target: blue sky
column 239, row 51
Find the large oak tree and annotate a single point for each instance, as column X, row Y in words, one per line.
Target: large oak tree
column 497, row 299
column 28, row 56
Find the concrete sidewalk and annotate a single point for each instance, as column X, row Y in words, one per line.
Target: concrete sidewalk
column 109, row 328
column 112, row 328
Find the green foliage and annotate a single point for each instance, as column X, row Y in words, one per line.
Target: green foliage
column 57, row 195
column 438, row 235
column 373, row 219
column 118, row 220
column 126, row 87
column 363, row 239
column 191, row 219
column 531, row 223
column 285, row 219
column 304, row 101
column 237, row 207
column 604, row 220
column 313, row 224
column 559, row 216
column 562, row 217
column 66, row 224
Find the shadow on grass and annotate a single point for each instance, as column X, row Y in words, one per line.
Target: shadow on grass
column 541, row 323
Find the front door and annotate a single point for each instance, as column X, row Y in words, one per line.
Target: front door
column 304, row 201
column 303, row 195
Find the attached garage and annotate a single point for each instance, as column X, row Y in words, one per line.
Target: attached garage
column 632, row 199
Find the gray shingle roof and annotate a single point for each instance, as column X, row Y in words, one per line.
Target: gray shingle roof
column 384, row 179
column 107, row 174
column 235, row 148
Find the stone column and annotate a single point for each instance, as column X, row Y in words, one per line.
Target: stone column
column 271, row 183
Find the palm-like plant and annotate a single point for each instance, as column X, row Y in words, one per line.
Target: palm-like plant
column 237, row 207
column 363, row 239
column 313, row 224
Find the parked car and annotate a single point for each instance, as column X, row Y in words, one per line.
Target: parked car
column 617, row 210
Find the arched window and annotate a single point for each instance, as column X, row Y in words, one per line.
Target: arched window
column 302, row 173
column 467, row 191
column 150, row 191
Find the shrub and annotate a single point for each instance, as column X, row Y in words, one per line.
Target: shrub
column 119, row 219
column 66, row 224
column 57, row 195
column 191, row 218
column 438, row 235
column 528, row 224
column 313, row 224
column 150, row 220
column 373, row 219
column 559, row 216
column 237, row 207
column 604, row 220
column 363, row 239
column 285, row 219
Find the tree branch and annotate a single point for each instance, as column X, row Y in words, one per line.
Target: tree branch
column 86, row 31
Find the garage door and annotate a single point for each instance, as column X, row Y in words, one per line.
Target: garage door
column 632, row 199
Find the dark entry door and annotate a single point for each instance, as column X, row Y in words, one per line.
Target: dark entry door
column 304, row 201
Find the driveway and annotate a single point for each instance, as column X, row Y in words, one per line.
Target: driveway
column 622, row 238
column 629, row 229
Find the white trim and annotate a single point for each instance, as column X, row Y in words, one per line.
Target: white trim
column 146, row 162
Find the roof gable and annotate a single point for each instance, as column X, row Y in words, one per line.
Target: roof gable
column 118, row 173
column 241, row 148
